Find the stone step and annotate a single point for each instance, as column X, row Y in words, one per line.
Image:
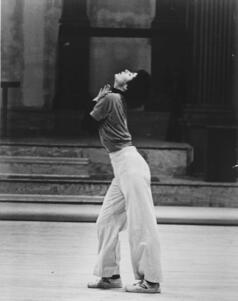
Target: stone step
column 51, row 199
column 171, row 191
column 89, row 213
column 167, row 159
column 44, row 165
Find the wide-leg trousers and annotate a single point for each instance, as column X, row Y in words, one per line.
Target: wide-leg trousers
column 128, row 202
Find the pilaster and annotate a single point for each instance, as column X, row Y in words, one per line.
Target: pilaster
column 73, row 56
column 170, row 48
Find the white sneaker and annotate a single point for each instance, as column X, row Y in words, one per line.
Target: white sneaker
column 144, row 287
column 106, row 283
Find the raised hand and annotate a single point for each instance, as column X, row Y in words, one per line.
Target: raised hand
column 103, row 92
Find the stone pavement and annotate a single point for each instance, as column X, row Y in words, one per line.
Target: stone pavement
column 50, row 261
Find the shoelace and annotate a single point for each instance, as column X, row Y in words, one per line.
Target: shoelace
column 144, row 284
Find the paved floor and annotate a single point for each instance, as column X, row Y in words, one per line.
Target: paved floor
column 48, row 261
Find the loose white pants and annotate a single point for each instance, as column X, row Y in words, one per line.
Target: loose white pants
column 128, row 201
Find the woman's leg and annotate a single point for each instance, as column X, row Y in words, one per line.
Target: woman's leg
column 142, row 225
column 111, row 220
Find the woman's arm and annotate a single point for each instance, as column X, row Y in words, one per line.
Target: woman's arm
column 103, row 92
column 89, row 123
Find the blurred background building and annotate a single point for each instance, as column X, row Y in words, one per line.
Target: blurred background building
column 56, row 54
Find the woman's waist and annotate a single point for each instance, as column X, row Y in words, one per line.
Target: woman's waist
column 122, row 153
column 129, row 161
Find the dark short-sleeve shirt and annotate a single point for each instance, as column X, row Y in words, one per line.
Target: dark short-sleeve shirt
column 110, row 111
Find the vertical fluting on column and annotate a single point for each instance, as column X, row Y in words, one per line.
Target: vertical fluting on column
column 212, row 29
column 235, row 64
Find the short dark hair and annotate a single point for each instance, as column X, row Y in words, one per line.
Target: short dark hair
column 138, row 89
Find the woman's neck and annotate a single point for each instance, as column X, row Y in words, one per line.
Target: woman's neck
column 117, row 87
column 116, row 90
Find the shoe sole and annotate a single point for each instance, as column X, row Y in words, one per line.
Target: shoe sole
column 141, row 291
column 106, row 287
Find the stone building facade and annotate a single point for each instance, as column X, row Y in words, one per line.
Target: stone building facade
column 62, row 52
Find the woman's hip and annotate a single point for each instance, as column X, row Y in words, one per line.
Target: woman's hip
column 129, row 161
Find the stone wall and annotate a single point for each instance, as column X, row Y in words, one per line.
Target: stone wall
column 110, row 55
column 29, row 38
column 123, row 13
column 29, row 45
column 12, row 46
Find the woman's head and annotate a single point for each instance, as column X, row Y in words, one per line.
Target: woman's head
column 122, row 79
column 135, row 85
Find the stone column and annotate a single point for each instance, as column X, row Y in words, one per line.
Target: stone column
column 33, row 28
column 73, row 56
column 209, row 111
column 235, row 62
column 12, row 49
column 235, row 73
column 170, row 60
column 211, row 25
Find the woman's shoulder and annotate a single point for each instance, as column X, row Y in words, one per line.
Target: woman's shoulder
column 110, row 100
column 112, row 97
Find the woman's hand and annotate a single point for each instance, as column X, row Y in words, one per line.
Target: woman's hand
column 103, row 92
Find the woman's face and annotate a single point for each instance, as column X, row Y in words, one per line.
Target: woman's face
column 122, row 78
